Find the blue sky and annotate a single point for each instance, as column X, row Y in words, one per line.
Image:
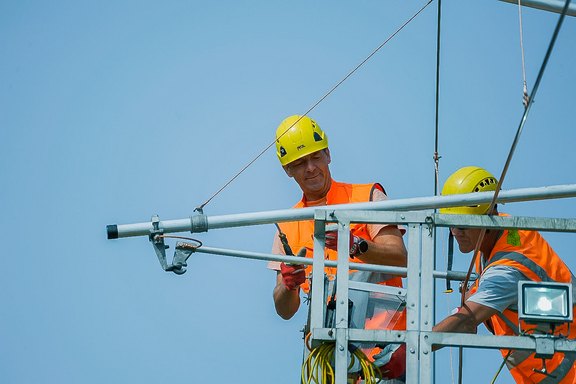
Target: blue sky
column 113, row 111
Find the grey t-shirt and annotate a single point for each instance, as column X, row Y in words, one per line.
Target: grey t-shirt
column 498, row 288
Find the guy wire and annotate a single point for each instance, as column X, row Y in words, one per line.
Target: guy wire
column 437, row 156
column 200, row 207
column 515, row 142
column 528, row 105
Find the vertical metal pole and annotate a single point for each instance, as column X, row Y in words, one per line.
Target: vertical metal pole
column 317, row 304
column 341, row 324
column 413, row 304
column 427, row 284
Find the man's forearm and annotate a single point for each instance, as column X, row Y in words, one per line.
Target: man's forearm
column 286, row 301
column 455, row 323
column 458, row 322
column 385, row 254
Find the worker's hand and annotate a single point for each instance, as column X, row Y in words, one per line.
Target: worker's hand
column 293, row 275
column 391, row 361
column 332, row 242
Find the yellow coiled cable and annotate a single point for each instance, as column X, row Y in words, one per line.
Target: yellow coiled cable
column 317, row 368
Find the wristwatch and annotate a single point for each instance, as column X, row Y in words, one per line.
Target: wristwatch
column 362, row 246
column 359, row 247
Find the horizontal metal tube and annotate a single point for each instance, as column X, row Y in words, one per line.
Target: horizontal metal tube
column 446, row 339
column 399, row 271
column 493, row 342
column 300, row 260
column 361, row 335
column 547, row 5
column 503, row 222
column 419, row 203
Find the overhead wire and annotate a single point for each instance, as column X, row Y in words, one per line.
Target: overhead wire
column 437, row 101
column 528, row 101
column 348, row 75
column 436, row 158
column 517, row 138
column 514, row 144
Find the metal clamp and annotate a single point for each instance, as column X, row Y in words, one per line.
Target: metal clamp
column 544, row 346
column 429, row 221
column 182, row 251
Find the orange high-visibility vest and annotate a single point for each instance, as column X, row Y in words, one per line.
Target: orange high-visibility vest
column 530, row 254
column 300, row 234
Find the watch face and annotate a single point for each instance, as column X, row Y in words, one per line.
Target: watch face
column 363, row 246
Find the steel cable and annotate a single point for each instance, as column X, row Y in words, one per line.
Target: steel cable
column 200, row 207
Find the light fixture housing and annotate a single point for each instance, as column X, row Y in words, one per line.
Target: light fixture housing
column 545, row 303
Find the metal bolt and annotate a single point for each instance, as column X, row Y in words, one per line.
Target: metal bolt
column 425, row 352
column 412, row 350
column 340, row 348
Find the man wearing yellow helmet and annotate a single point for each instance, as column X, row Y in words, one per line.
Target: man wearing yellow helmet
column 507, row 257
column 302, row 148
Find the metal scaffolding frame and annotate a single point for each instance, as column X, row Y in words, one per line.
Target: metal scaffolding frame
column 421, row 221
column 420, row 285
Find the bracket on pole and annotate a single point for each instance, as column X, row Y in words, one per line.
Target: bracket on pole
column 181, row 254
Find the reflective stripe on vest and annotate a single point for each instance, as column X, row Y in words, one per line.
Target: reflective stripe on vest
column 561, row 371
column 521, row 259
column 556, row 375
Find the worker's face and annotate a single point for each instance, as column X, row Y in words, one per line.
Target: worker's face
column 312, row 174
column 466, row 238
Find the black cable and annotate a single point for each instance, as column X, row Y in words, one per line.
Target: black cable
column 509, row 159
column 436, row 157
column 517, row 137
column 450, row 261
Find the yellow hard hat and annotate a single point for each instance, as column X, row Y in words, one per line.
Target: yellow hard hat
column 469, row 180
column 298, row 136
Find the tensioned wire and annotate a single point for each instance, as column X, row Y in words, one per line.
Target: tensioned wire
column 527, row 100
column 200, row 207
column 527, row 108
column 436, row 159
column 436, row 156
column 517, row 137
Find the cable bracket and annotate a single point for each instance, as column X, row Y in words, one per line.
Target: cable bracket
column 199, row 223
column 182, row 251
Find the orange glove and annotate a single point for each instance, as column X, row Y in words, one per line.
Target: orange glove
column 293, row 275
column 391, row 361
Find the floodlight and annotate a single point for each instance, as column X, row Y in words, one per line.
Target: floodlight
column 540, row 302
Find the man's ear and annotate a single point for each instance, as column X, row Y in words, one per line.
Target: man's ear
column 287, row 170
column 327, row 151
